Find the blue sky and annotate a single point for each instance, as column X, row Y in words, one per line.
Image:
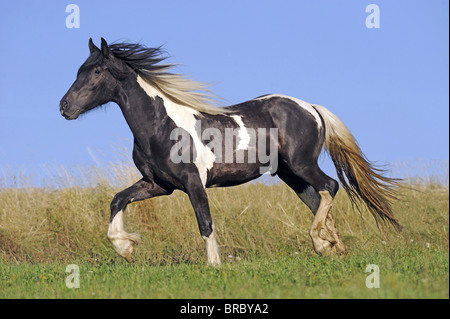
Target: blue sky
column 388, row 84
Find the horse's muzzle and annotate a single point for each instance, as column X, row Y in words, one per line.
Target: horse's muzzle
column 64, row 107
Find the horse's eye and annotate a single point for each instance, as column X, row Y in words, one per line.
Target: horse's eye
column 97, row 71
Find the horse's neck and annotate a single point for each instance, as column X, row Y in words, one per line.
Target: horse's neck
column 142, row 113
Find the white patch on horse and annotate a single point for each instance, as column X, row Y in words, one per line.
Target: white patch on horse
column 122, row 241
column 244, row 136
column 212, row 248
column 304, row 105
column 184, row 117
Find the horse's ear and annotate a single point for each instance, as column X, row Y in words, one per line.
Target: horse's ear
column 92, row 47
column 105, row 48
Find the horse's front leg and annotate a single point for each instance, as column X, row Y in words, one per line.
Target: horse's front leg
column 122, row 241
column 199, row 200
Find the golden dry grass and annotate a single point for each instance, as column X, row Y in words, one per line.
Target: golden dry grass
column 60, row 224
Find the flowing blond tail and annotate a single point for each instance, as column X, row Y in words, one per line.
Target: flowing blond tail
column 360, row 178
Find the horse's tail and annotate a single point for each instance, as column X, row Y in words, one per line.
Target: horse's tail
column 360, row 178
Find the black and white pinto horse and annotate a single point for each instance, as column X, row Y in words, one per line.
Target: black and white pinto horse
column 156, row 103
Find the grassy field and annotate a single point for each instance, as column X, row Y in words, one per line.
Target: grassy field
column 263, row 236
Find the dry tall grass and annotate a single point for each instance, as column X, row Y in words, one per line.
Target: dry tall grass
column 65, row 221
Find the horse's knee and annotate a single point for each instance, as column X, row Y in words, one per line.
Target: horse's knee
column 118, row 203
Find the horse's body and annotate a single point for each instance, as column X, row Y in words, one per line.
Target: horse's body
column 161, row 116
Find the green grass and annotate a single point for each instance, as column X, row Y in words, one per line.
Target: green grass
column 404, row 273
column 264, row 243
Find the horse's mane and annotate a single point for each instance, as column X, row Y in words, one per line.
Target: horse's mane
column 146, row 63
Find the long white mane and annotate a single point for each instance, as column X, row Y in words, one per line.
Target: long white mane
column 145, row 61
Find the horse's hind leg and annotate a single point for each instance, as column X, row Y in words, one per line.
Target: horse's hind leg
column 324, row 234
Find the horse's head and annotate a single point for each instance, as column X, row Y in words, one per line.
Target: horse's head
column 96, row 84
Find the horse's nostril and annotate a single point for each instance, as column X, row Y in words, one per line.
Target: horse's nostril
column 64, row 105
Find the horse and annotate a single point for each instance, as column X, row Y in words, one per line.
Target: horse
column 184, row 141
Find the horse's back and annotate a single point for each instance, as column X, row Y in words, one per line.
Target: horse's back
column 265, row 125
